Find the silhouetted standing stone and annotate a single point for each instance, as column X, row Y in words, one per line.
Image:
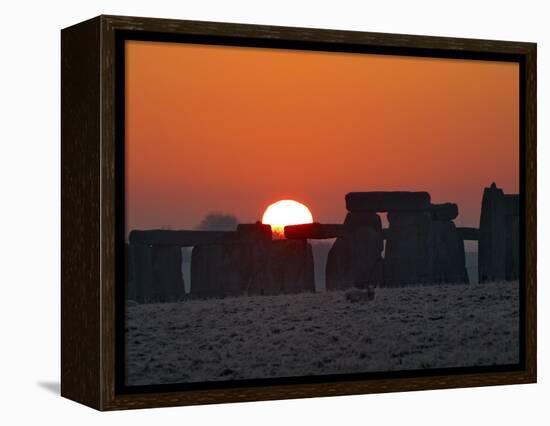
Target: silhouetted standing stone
column 339, row 271
column 236, row 267
column 257, row 279
column 366, row 250
column 168, row 283
column 156, row 274
column 221, row 270
column 355, row 260
column 252, row 268
column 290, row 267
column 449, row 262
column 498, row 255
column 409, row 249
column 141, row 256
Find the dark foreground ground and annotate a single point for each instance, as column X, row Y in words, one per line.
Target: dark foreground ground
column 323, row 333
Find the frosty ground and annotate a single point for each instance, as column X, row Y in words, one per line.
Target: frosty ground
column 322, row 333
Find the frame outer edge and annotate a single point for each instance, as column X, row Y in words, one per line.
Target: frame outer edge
column 108, row 399
column 108, row 205
column 531, row 210
column 80, row 209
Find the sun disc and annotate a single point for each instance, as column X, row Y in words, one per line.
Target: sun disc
column 283, row 213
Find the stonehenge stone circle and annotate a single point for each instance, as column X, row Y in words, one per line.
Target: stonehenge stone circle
column 423, row 245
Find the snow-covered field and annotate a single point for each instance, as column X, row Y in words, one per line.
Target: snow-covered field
column 322, row 333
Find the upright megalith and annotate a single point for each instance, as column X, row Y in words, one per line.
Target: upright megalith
column 408, row 253
column 409, row 249
column 366, row 255
column 498, row 253
column 142, row 264
column 252, row 263
column 422, row 242
column 154, row 274
column 449, row 261
column 235, row 267
column 355, row 259
column 338, row 270
column 290, row 268
column 221, row 270
column 167, row 285
column 387, row 201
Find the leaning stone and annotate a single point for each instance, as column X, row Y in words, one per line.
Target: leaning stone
column 445, row 211
column 385, row 201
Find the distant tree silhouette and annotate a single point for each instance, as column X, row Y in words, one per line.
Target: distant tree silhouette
column 219, row 222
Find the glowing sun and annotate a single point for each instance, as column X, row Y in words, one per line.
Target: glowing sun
column 283, row 213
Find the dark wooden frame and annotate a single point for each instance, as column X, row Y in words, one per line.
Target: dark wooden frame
column 89, row 207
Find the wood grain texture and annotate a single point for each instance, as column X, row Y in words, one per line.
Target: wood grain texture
column 80, row 213
column 89, row 209
column 530, row 190
column 108, row 216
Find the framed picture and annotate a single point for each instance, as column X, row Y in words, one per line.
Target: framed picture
column 255, row 212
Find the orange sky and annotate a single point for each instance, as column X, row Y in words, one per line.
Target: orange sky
column 233, row 129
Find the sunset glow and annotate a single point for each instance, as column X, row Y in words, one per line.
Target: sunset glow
column 286, row 212
column 199, row 140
